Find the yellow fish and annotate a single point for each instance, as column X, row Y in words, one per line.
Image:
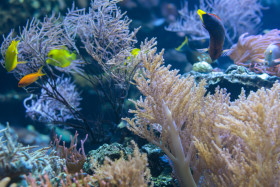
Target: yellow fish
column 60, row 57
column 11, row 56
column 134, row 53
column 30, row 78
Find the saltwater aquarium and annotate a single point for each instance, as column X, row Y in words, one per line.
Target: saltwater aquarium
column 138, row 93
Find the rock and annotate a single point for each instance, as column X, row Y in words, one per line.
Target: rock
column 112, row 151
column 202, row 67
column 159, row 166
column 233, row 79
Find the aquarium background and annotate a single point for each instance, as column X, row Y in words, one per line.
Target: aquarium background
column 154, row 17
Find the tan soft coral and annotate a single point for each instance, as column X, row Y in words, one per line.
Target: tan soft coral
column 125, row 173
column 173, row 111
column 251, row 154
column 224, row 143
column 249, row 51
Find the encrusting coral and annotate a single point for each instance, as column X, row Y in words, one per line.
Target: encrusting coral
column 224, row 143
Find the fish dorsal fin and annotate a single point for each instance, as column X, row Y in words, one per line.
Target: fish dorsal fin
column 185, row 42
column 215, row 16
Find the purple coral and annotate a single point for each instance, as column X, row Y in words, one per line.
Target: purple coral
column 48, row 109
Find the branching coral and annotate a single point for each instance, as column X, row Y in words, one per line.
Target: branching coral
column 235, row 15
column 46, row 108
column 224, row 143
column 104, row 32
column 36, row 40
column 59, row 101
column 16, row 160
column 249, row 51
column 118, row 173
column 189, row 23
column 100, row 39
column 64, row 180
column 167, row 115
column 250, row 155
column 105, row 42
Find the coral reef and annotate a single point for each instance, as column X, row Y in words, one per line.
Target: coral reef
column 74, row 158
column 132, row 171
column 125, row 173
column 17, row 160
column 233, row 79
column 103, row 37
column 207, row 134
column 113, row 152
column 46, row 109
column 164, row 110
column 250, row 52
column 245, row 153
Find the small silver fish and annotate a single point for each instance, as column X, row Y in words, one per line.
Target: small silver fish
column 272, row 55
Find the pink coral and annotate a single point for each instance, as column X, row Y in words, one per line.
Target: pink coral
column 75, row 159
column 249, row 51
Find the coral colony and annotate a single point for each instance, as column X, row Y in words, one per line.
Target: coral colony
column 208, row 139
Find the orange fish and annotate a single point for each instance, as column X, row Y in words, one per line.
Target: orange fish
column 30, row 78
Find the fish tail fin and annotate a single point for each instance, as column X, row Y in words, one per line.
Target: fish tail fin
column 277, row 61
column 22, row 62
column 204, row 50
column 15, row 43
column 227, row 52
column 185, row 42
column 40, row 71
column 73, row 56
column 260, row 60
